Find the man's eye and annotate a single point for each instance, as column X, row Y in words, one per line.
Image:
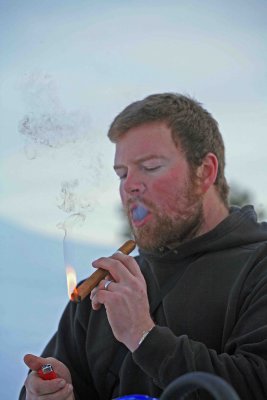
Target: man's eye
column 151, row 168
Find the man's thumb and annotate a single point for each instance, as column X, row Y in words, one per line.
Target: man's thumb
column 34, row 362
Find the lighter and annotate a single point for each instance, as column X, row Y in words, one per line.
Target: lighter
column 46, row 372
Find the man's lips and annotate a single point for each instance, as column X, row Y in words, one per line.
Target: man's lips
column 139, row 212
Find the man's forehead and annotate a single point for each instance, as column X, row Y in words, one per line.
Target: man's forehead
column 143, row 142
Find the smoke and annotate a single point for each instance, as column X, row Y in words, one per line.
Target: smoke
column 46, row 123
column 69, row 226
column 54, row 129
column 72, row 221
column 64, row 139
column 39, row 92
column 72, row 199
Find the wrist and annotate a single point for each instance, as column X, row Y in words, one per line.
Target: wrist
column 144, row 335
column 140, row 338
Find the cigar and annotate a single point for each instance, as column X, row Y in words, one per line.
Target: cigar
column 80, row 292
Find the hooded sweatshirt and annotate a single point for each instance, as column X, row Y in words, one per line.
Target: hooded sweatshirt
column 208, row 299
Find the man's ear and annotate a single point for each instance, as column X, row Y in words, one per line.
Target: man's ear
column 207, row 172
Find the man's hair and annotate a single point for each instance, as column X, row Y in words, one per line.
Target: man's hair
column 192, row 127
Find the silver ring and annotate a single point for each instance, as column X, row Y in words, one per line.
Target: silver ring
column 107, row 284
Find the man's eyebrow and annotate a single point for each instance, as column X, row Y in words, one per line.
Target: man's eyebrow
column 140, row 160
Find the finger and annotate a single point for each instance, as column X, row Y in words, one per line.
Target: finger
column 103, row 297
column 117, row 268
column 129, row 262
column 96, row 305
column 37, row 386
column 93, row 297
column 93, row 292
column 63, row 394
column 100, row 286
column 114, row 267
column 34, row 362
column 106, row 284
column 103, row 285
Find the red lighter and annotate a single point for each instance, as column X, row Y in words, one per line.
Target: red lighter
column 46, row 372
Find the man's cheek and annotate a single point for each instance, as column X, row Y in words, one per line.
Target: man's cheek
column 166, row 200
column 163, row 189
column 165, row 182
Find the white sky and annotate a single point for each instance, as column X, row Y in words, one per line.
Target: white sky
column 80, row 62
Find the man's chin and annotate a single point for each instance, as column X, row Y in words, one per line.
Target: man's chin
column 145, row 240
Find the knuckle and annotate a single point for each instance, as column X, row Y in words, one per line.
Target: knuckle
column 119, row 255
column 136, row 285
column 100, row 260
column 38, row 390
column 126, row 290
column 94, row 300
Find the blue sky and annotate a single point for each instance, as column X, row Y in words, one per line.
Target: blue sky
column 80, row 62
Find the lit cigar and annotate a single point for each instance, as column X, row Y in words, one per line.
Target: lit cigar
column 80, row 292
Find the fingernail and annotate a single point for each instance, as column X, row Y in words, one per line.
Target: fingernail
column 62, row 383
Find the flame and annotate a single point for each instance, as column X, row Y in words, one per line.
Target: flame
column 71, row 280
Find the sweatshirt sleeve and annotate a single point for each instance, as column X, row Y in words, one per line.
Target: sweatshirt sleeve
column 243, row 359
column 68, row 346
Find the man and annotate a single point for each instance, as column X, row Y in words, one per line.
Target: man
column 195, row 299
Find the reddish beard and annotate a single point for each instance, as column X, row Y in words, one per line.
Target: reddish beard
column 163, row 230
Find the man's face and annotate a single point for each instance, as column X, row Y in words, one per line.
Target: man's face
column 156, row 187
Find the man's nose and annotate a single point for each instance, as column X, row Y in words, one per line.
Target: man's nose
column 132, row 184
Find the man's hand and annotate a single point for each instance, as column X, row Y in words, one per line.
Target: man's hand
column 59, row 388
column 125, row 299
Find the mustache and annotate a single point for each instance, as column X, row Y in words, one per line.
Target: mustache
column 136, row 201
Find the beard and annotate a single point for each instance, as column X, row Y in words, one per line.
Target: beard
column 165, row 230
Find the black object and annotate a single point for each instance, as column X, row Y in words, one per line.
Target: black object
column 188, row 383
